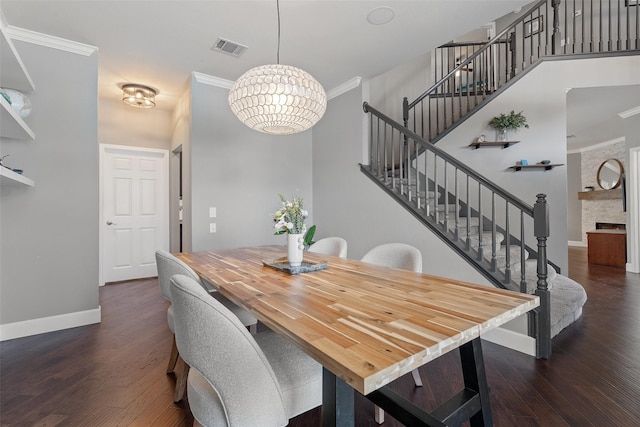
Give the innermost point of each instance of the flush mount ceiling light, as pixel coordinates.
(278, 99)
(139, 96)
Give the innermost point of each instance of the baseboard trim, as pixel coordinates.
(49, 324)
(513, 340)
(577, 243)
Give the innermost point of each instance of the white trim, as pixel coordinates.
(43, 325)
(365, 124)
(212, 81)
(579, 243)
(633, 211)
(598, 145)
(344, 87)
(130, 149)
(630, 112)
(513, 340)
(50, 41)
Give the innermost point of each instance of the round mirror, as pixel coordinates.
(609, 174)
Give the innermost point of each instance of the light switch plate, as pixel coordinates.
(212, 227)
(212, 212)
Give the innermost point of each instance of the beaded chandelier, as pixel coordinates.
(278, 99)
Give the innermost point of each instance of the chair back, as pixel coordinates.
(396, 255)
(168, 266)
(335, 246)
(216, 344)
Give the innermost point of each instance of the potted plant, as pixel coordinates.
(506, 122)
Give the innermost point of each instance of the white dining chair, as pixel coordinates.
(168, 265)
(396, 255)
(239, 379)
(335, 246)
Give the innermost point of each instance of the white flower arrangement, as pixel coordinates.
(290, 217)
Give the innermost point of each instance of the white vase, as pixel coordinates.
(295, 249)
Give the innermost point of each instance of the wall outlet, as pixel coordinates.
(212, 212)
(212, 227)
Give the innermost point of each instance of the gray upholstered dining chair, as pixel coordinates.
(168, 265)
(396, 255)
(239, 379)
(335, 246)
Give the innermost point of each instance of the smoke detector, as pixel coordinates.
(228, 47)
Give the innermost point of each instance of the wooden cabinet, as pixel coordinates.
(607, 247)
(14, 75)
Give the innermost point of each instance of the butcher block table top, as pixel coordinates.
(365, 323)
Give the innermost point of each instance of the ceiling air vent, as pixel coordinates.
(229, 47)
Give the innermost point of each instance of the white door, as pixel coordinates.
(135, 211)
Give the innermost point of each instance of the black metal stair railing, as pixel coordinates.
(455, 202)
(467, 75)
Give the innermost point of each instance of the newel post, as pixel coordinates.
(557, 35)
(543, 317)
(405, 111)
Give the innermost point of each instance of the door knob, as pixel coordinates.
(111, 223)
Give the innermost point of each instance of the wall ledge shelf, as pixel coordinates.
(9, 177)
(518, 168)
(503, 144)
(616, 193)
(12, 124)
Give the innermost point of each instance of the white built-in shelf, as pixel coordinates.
(14, 75)
(9, 177)
(12, 124)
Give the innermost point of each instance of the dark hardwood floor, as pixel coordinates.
(112, 374)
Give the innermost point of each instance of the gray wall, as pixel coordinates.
(240, 172)
(574, 206)
(50, 232)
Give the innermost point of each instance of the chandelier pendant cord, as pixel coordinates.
(278, 51)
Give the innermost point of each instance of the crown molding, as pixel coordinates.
(212, 81)
(630, 112)
(50, 41)
(596, 146)
(344, 87)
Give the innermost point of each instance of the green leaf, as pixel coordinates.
(308, 236)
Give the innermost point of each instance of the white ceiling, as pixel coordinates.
(160, 42)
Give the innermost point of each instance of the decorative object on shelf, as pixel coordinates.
(545, 162)
(2, 159)
(589, 188)
(289, 219)
(523, 162)
(481, 139)
(18, 171)
(278, 99)
(505, 122)
(19, 102)
(139, 96)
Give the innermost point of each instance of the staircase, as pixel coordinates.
(501, 236)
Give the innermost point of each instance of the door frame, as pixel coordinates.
(165, 186)
(633, 211)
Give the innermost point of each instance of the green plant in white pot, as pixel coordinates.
(505, 122)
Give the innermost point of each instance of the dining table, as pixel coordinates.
(368, 325)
